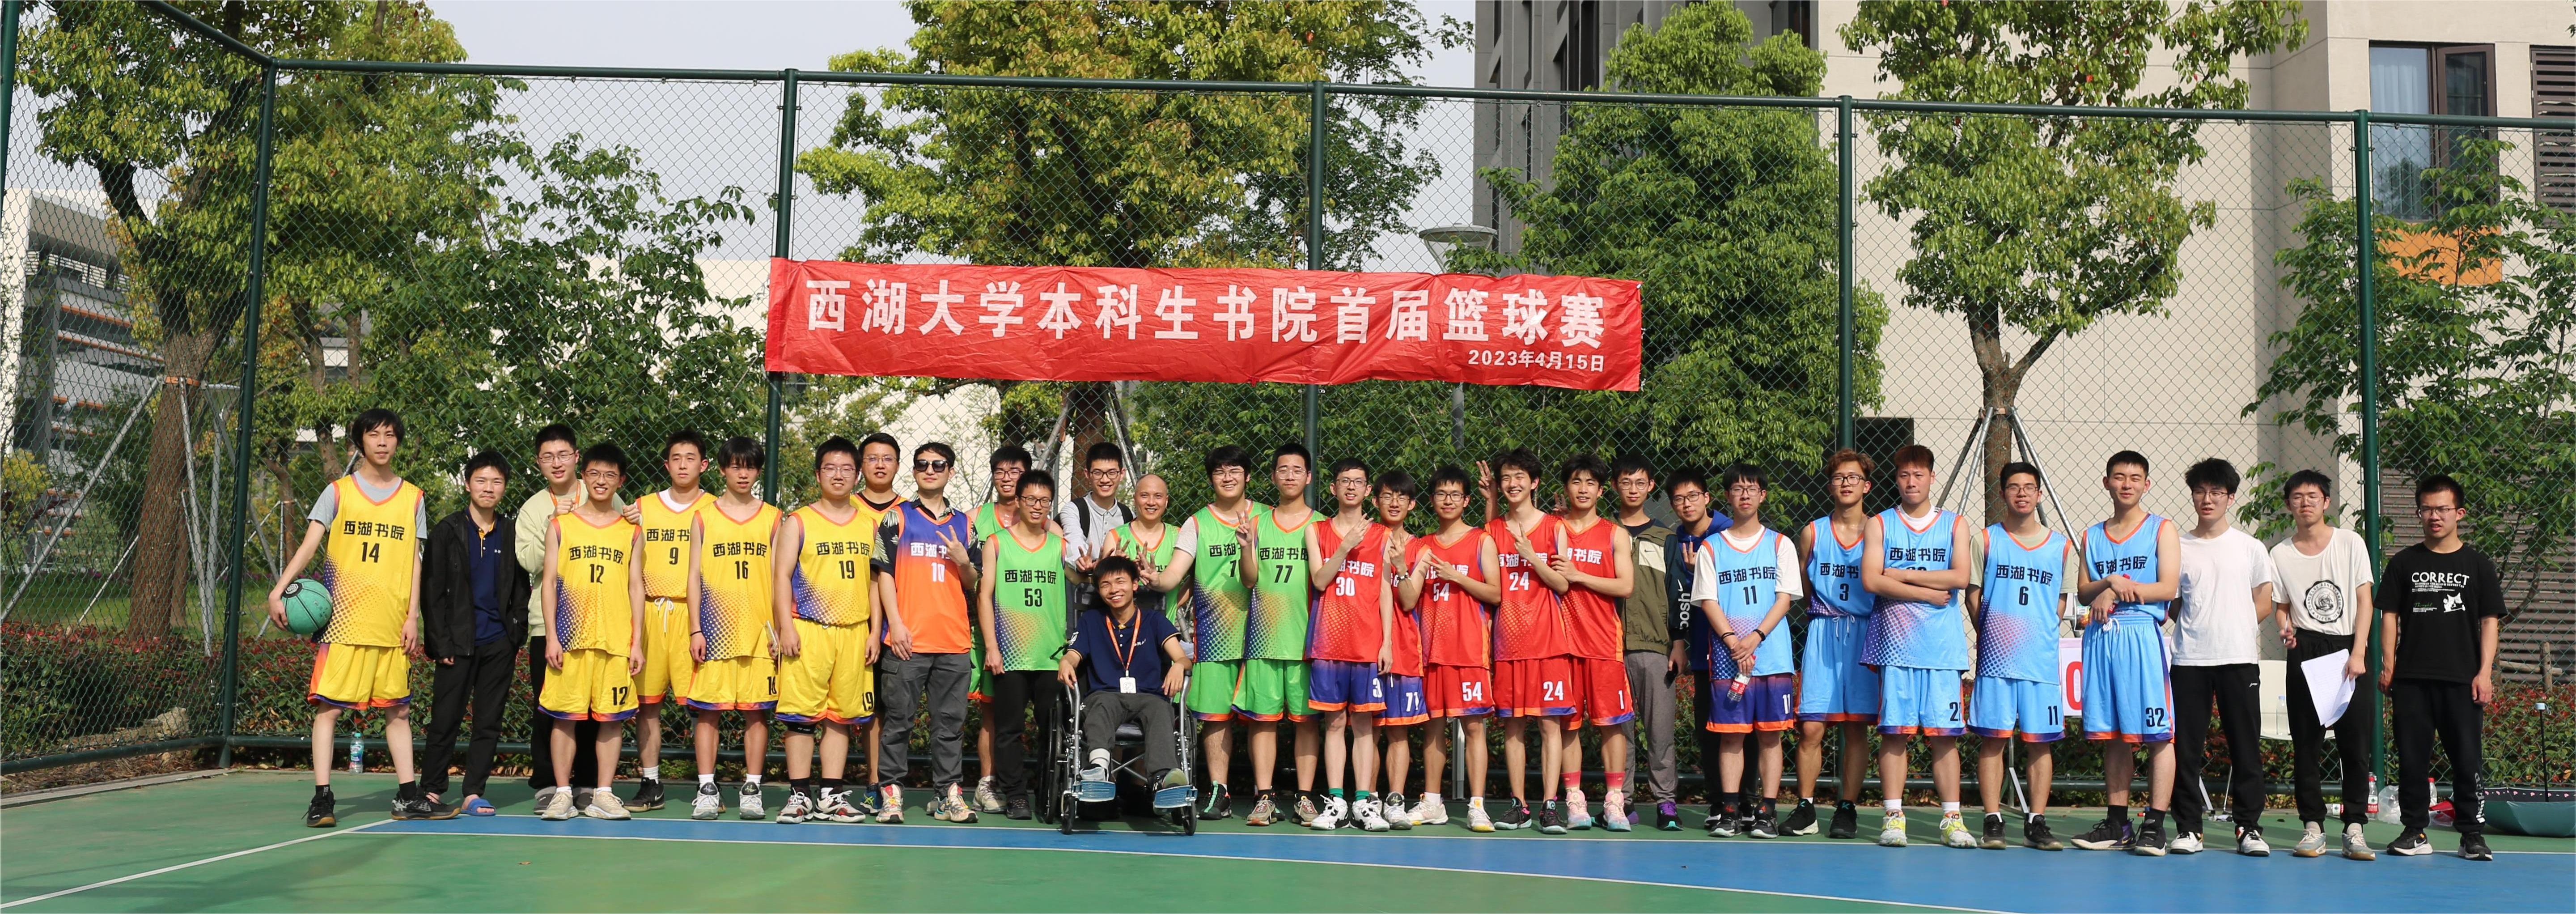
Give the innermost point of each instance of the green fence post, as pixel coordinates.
(786, 233)
(1316, 110)
(8, 79)
(253, 291)
(1848, 407)
(2365, 259)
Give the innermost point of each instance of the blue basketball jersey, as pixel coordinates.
(1913, 634)
(1748, 582)
(2017, 626)
(1833, 568)
(2135, 557)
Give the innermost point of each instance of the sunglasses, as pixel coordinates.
(930, 466)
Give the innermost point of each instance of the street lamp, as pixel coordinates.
(1441, 240)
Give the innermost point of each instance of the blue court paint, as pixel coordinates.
(2013, 880)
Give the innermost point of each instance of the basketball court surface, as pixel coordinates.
(237, 843)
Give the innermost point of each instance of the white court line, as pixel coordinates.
(1094, 850)
(192, 863)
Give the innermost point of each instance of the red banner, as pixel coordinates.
(1122, 324)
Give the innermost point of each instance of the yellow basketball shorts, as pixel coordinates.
(734, 684)
(593, 685)
(360, 676)
(667, 667)
(829, 678)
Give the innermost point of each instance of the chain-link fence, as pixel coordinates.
(489, 250)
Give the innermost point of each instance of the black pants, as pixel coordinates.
(2423, 709)
(480, 679)
(1709, 782)
(1014, 694)
(541, 728)
(2352, 735)
(2237, 689)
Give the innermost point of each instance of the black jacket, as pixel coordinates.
(447, 587)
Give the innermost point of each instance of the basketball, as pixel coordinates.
(308, 606)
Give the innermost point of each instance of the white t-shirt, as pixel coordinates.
(2215, 620)
(2321, 588)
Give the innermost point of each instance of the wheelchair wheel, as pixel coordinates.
(1188, 818)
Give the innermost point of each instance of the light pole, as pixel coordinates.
(1442, 240)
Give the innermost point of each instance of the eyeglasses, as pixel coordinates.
(879, 460)
(1227, 472)
(1848, 479)
(2020, 488)
(1448, 496)
(2438, 510)
(1693, 495)
(930, 466)
(559, 458)
(1104, 472)
(1037, 499)
(603, 475)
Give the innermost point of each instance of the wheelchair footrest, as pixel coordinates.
(1095, 791)
(1176, 797)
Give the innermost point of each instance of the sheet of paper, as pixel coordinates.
(2326, 684)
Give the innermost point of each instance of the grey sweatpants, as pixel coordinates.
(1102, 712)
(1650, 735)
(900, 686)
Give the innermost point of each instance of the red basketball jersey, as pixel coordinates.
(1345, 624)
(1529, 624)
(1457, 630)
(1407, 652)
(1595, 618)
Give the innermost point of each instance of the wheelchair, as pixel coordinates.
(1064, 793)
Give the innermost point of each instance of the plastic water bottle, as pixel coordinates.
(2374, 793)
(1736, 688)
(357, 754)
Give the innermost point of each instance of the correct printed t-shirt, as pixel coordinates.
(2440, 600)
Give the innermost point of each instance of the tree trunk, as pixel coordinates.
(1086, 422)
(161, 548)
(2001, 383)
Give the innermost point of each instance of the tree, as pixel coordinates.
(2476, 378)
(1124, 178)
(1726, 217)
(2046, 224)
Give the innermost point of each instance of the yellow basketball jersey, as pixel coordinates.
(666, 545)
(832, 573)
(592, 610)
(367, 564)
(735, 581)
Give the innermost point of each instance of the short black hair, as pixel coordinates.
(555, 432)
(1011, 453)
(1747, 472)
(1228, 456)
(1292, 449)
(374, 419)
(742, 451)
(875, 438)
(2212, 472)
(835, 445)
(1631, 463)
(687, 436)
(2441, 482)
(1518, 458)
(605, 452)
(1348, 464)
(488, 459)
(2017, 468)
(1038, 478)
(2125, 458)
(1115, 564)
(1102, 450)
(2324, 484)
(1448, 473)
(940, 448)
(1401, 483)
(1587, 464)
(1686, 477)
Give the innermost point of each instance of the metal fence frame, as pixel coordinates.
(1319, 95)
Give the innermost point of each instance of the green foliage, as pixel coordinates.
(1726, 218)
(2476, 379)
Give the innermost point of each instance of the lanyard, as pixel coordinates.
(1136, 634)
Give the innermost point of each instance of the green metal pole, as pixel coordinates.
(253, 291)
(786, 232)
(1848, 408)
(1317, 108)
(2365, 259)
(8, 79)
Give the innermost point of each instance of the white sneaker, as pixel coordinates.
(1578, 814)
(1892, 834)
(797, 809)
(986, 798)
(556, 806)
(1478, 820)
(1614, 810)
(605, 805)
(747, 802)
(2356, 847)
(1330, 817)
(2185, 843)
(2251, 844)
(836, 807)
(1954, 832)
(709, 803)
(1429, 810)
(1397, 816)
(2312, 841)
(890, 808)
(1369, 815)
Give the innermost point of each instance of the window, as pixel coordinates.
(2553, 97)
(2422, 79)
(1797, 17)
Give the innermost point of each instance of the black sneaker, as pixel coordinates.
(2151, 839)
(1760, 825)
(2410, 843)
(1802, 820)
(1551, 819)
(1220, 804)
(1667, 817)
(2036, 835)
(1994, 832)
(323, 813)
(1722, 824)
(421, 808)
(2108, 835)
(1846, 821)
(1018, 807)
(1514, 818)
(648, 796)
(2473, 846)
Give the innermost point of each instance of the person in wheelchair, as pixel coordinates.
(1128, 667)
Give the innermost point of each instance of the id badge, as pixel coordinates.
(1126, 685)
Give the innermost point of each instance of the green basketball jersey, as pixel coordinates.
(1280, 602)
(985, 524)
(1029, 602)
(1219, 604)
(1167, 542)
